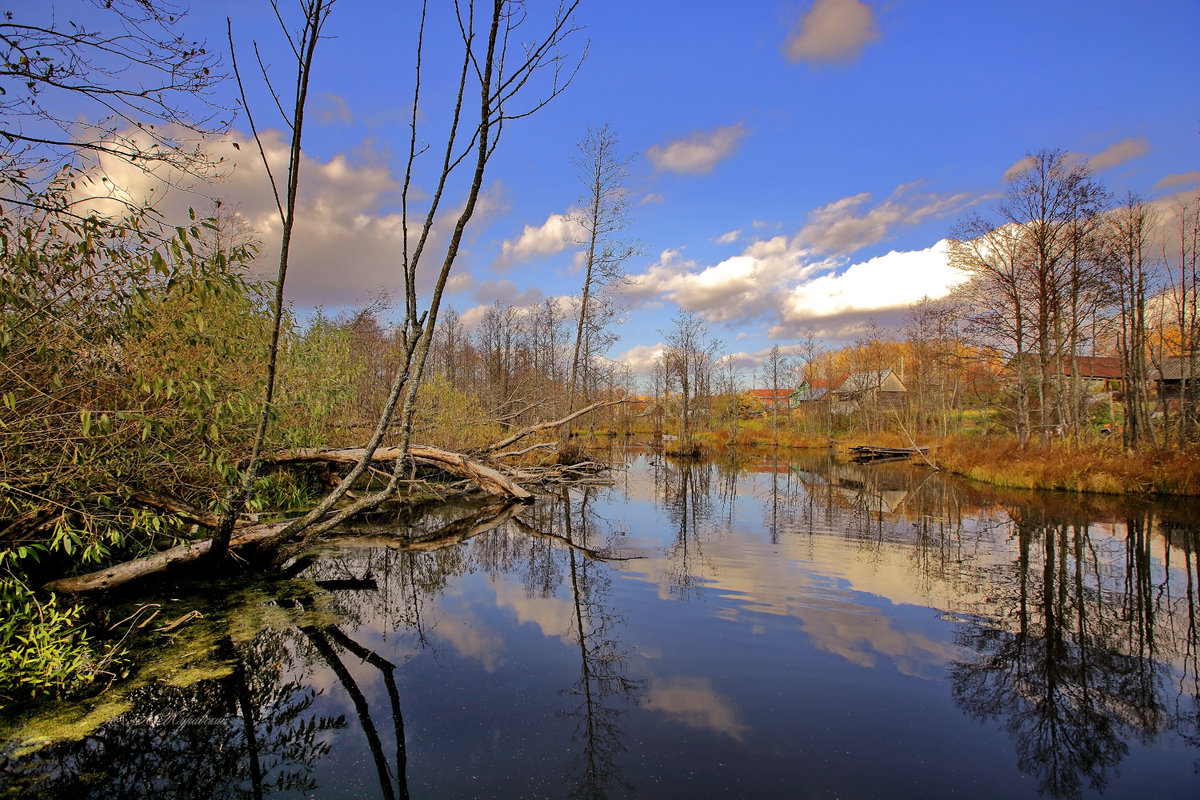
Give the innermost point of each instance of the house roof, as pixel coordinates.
(1173, 368)
(770, 394)
(1106, 367)
(808, 393)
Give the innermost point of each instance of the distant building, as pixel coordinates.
(875, 389)
(809, 392)
(1176, 375)
(771, 399)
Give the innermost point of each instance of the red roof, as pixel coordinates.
(771, 394)
(1106, 367)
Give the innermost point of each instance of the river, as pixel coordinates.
(758, 625)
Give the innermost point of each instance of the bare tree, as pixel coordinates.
(688, 361)
(136, 87)
(1184, 291)
(1129, 236)
(774, 373)
(304, 43)
(499, 73)
(603, 171)
(1031, 283)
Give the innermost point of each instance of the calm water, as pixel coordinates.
(779, 627)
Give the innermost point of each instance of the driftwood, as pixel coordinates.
(472, 469)
(486, 478)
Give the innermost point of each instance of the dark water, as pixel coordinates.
(778, 627)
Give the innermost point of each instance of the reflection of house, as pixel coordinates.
(875, 389)
(1178, 373)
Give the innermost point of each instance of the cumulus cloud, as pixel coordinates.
(786, 287)
(1179, 179)
(698, 153)
(850, 223)
(890, 282)
(833, 31)
(557, 233)
(347, 237)
(641, 357)
(1120, 152)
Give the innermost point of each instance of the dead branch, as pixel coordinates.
(541, 426)
(530, 449)
(597, 555)
(486, 478)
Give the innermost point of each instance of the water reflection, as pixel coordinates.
(741, 623)
(1072, 650)
(251, 733)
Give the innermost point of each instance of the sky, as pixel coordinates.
(796, 166)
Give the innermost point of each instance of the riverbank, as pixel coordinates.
(1098, 467)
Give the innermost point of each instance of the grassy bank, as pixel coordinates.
(1098, 467)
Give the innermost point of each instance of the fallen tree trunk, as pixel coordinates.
(127, 571)
(486, 478)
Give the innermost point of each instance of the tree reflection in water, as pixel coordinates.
(252, 733)
(1069, 650)
(1080, 640)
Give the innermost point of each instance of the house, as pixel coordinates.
(771, 399)
(876, 388)
(809, 392)
(1177, 374)
(1097, 372)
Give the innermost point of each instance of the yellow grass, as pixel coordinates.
(1100, 467)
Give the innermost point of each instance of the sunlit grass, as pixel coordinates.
(1100, 467)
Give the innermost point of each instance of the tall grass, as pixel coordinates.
(1099, 467)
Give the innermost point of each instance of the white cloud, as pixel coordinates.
(1022, 164)
(1120, 152)
(699, 153)
(652, 197)
(781, 283)
(559, 232)
(641, 357)
(832, 31)
(347, 240)
(694, 702)
(892, 281)
(730, 237)
(848, 224)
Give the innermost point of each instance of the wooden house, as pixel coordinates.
(1177, 374)
(875, 389)
(771, 399)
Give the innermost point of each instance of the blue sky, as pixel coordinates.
(797, 163)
